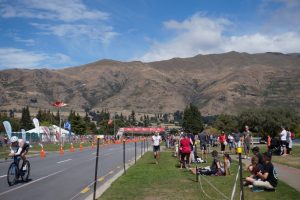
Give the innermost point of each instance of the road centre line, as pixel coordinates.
(39, 179)
(3, 176)
(64, 161)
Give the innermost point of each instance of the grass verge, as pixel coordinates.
(147, 180)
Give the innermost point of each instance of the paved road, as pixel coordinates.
(69, 176)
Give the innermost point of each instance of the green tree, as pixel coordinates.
(227, 123)
(26, 122)
(192, 119)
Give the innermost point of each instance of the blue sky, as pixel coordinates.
(62, 33)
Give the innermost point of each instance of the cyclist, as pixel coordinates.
(18, 147)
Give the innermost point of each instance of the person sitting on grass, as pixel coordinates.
(253, 168)
(266, 178)
(215, 168)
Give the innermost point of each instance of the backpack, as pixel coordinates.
(292, 136)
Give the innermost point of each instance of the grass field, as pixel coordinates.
(147, 180)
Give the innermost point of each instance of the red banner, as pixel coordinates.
(143, 130)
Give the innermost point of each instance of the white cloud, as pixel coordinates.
(27, 42)
(20, 58)
(202, 35)
(67, 10)
(102, 33)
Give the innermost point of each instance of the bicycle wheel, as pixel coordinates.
(12, 174)
(25, 170)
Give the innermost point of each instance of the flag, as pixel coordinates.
(67, 125)
(8, 129)
(59, 104)
(36, 124)
(23, 135)
(110, 122)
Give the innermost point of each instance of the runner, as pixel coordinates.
(156, 139)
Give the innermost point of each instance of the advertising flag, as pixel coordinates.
(8, 129)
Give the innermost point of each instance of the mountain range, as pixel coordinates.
(216, 83)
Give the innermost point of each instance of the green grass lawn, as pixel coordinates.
(147, 180)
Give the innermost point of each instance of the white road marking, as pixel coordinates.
(3, 176)
(107, 154)
(64, 161)
(39, 179)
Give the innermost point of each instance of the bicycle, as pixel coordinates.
(14, 173)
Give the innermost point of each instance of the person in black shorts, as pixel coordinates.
(156, 139)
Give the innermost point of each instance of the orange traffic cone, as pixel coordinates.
(72, 148)
(42, 154)
(80, 147)
(61, 151)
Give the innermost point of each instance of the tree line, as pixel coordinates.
(262, 121)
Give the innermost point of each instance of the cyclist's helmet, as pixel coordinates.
(13, 139)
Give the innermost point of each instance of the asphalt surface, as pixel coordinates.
(68, 176)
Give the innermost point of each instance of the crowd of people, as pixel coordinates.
(263, 173)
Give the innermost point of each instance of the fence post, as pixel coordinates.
(239, 151)
(135, 151)
(141, 148)
(96, 168)
(124, 156)
(147, 145)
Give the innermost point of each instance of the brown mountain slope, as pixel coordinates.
(216, 83)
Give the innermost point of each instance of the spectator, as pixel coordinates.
(185, 148)
(192, 138)
(253, 168)
(269, 142)
(203, 137)
(230, 142)
(267, 178)
(247, 139)
(237, 139)
(215, 168)
(290, 142)
(222, 140)
(283, 136)
(227, 162)
(256, 152)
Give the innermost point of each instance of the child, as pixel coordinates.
(227, 161)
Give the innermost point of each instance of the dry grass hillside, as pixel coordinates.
(215, 83)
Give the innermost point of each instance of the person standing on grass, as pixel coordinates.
(192, 138)
(185, 148)
(269, 141)
(247, 139)
(156, 139)
(283, 136)
(222, 140)
(203, 137)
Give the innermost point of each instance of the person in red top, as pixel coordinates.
(185, 149)
(222, 140)
(269, 141)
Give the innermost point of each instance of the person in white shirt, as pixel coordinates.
(283, 136)
(156, 139)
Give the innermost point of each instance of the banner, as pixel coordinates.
(8, 129)
(23, 135)
(36, 125)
